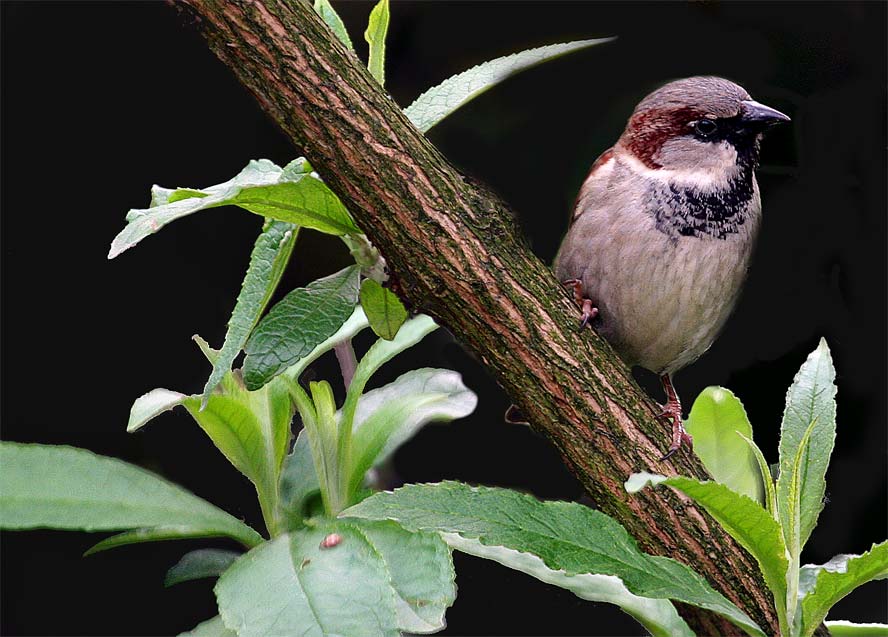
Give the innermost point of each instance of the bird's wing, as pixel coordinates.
(594, 173)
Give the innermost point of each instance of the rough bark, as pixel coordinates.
(458, 256)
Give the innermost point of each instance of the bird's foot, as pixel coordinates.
(672, 413)
(589, 313)
(588, 308)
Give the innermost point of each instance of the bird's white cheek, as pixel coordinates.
(688, 162)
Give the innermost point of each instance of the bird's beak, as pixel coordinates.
(755, 113)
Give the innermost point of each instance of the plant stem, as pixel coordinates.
(365, 255)
(345, 354)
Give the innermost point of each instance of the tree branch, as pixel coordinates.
(457, 256)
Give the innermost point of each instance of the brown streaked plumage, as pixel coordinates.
(665, 223)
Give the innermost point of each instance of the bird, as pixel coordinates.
(664, 225)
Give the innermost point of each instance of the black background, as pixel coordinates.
(102, 100)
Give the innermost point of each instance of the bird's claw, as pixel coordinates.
(672, 412)
(683, 437)
(586, 305)
(589, 313)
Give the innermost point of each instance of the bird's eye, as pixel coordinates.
(705, 127)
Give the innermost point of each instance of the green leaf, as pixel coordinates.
(440, 101)
(151, 534)
(765, 475)
(387, 417)
(299, 482)
(210, 628)
(323, 434)
(379, 353)
(743, 518)
(44, 486)
(792, 508)
(382, 351)
(377, 27)
(567, 537)
(658, 616)
(306, 202)
(160, 196)
(263, 188)
(209, 353)
(301, 321)
(383, 308)
(267, 263)
(810, 399)
(421, 571)
(252, 430)
(355, 323)
(149, 406)
(384, 419)
(293, 586)
(835, 579)
(809, 573)
(328, 15)
(719, 425)
(141, 223)
(842, 628)
(296, 169)
(200, 564)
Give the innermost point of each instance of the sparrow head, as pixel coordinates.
(702, 126)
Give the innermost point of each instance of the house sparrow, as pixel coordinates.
(664, 225)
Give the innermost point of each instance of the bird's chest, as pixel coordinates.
(688, 277)
(675, 281)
